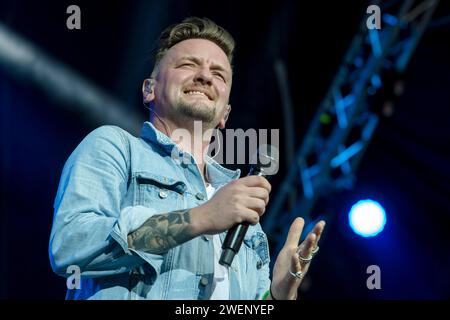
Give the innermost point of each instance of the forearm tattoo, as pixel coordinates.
(162, 232)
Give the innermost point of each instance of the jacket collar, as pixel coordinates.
(216, 173)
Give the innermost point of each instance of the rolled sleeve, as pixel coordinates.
(131, 219)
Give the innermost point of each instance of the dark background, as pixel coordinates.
(406, 167)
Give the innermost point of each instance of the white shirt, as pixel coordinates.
(221, 282)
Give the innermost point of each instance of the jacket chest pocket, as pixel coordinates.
(257, 252)
(255, 257)
(160, 193)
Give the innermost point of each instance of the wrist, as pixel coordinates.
(284, 291)
(197, 217)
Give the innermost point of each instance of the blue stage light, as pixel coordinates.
(367, 218)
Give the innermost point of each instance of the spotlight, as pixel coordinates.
(367, 218)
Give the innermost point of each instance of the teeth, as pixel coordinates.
(195, 92)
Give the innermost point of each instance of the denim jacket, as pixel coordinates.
(110, 185)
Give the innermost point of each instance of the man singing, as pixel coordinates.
(140, 224)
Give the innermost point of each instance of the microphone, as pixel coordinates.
(236, 234)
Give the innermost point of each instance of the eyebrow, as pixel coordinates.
(198, 61)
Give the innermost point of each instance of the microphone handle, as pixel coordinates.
(232, 243)
(236, 234)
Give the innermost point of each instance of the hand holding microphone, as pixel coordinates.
(237, 205)
(236, 234)
(243, 200)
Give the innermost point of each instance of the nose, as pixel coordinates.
(204, 77)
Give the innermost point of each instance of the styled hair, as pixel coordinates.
(195, 28)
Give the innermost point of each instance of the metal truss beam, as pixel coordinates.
(346, 119)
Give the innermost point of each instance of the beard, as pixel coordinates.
(197, 111)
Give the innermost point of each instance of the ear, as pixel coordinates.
(225, 117)
(148, 92)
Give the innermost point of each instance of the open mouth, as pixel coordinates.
(197, 93)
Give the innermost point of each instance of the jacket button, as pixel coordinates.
(204, 281)
(162, 194)
(200, 196)
(259, 264)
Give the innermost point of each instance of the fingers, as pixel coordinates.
(305, 251)
(302, 255)
(308, 245)
(312, 240)
(256, 181)
(318, 229)
(255, 204)
(250, 216)
(295, 231)
(258, 192)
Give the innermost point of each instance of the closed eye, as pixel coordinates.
(220, 75)
(187, 64)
